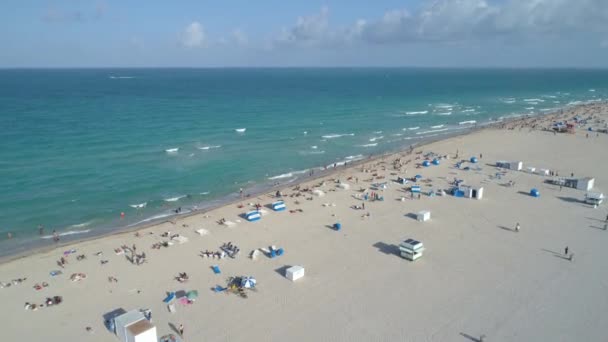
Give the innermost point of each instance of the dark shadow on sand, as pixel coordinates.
(387, 249)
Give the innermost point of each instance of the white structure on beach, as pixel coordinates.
(511, 165)
(424, 215)
(411, 249)
(294, 273)
(133, 326)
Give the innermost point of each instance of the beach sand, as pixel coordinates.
(477, 276)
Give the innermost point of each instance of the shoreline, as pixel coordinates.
(230, 199)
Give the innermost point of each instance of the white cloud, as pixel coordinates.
(452, 21)
(239, 37)
(193, 35)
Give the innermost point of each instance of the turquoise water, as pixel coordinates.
(78, 147)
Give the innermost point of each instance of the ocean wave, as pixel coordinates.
(172, 150)
(422, 112)
(443, 105)
(152, 218)
(378, 132)
(557, 102)
(240, 130)
(369, 145)
(209, 147)
(432, 131)
(314, 147)
(121, 77)
(138, 206)
(592, 90)
(285, 175)
(69, 232)
(334, 136)
(204, 193)
(529, 108)
(549, 96)
(534, 100)
(174, 199)
(411, 128)
(468, 110)
(376, 138)
(445, 113)
(80, 225)
(438, 126)
(470, 122)
(397, 134)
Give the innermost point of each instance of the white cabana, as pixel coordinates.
(424, 215)
(411, 249)
(511, 165)
(294, 273)
(594, 198)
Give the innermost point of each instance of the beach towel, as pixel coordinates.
(169, 297)
(219, 289)
(202, 232)
(216, 269)
(184, 301)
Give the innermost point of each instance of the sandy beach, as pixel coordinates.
(478, 275)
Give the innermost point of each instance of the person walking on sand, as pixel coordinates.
(566, 251)
(517, 227)
(181, 330)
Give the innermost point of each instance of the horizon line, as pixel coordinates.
(309, 67)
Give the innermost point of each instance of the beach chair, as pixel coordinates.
(216, 269)
(219, 289)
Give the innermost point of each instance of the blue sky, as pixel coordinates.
(212, 33)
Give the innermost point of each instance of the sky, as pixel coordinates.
(313, 33)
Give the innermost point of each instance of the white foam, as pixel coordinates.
(470, 122)
(397, 134)
(445, 113)
(334, 136)
(69, 232)
(80, 225)
(438, 126)
(534, 100)
(358, 156)
(432, 131)
(549, 96)
(204, 193)
(314, 147)
(121, 77)
(305, 132)
(376, 138)
(172, 150)
(174, 199)
(529, 108)
(468, 110)
(378, 132)
(138, 206)
(240, 130)
(156, 217)
(285, 175)
(209, 147)
(444, 106)
(417, 113)
(508, 100)
(411, 128)
(556, 101)
(592, 90)
(369, 145)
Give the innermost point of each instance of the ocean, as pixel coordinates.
(78, 147)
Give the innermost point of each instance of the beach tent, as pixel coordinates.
(415, 189)
(318, 193)
(134, 327)
(278, 206)
(457, 192)
(426, 163)
(253, 216)
(435, 161)
(534, 193)
(424, 215)
(418, 176)
(294, 273)
(473, 160)
(337, 226)
(248, 282)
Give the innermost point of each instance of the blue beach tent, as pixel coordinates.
(435, 161)
(426, 163)
(473, 160)
(534, 193)
(253, 216)
(278, 206)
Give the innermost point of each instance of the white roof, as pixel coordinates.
(129, 318)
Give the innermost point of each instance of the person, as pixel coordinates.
(181, 330)
(55, 236)
(517, 227)
(560, 187)
(241, 192)
(480, 156)
(9, 235)
(566, 250)
(363, 205)
(40, 229)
